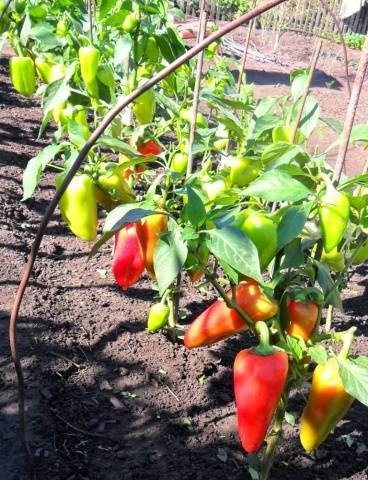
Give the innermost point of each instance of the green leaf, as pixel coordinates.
(359, 133)
(224, 103)
(36, 166)
(195, 208)
(231, 122)
(233, 247)
(298, 80)
(318, 354)
(165, 47)
(230, 272)
(44, 34)
(290, 419)
(277, 186)
(310, 116)
(360, 180)
(76, 135)
(293, 255)
(362, 361)
(169, 257)
(167, 102)
(330, 291)
(105, 7)
(265, 106)
(117, 146)
(295, 347)
(333, 123)
(354, 376)
(259, 125)
(292, 223)
(56, 93)
(123, 214)
(101, 241)
(122, 50)
(279, 153)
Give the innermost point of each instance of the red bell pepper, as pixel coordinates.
(259, 380)
(128, 264)
(220, 321)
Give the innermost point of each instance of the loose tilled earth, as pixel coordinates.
(153, 410)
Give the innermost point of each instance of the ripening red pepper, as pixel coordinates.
(219, 321)
(259, 379)
(299, 312)
(149, 148)
(327, 404)
(148, 231)
(302, 318)
(128, 264)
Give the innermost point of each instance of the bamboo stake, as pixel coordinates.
(244, 59)
(197, 87)
(342, 40)
(350, 114)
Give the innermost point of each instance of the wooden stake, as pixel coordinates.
(244, 58)
(350, 114)
(197, 87)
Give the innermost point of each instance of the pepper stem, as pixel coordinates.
(274, 436)
(264, 347)
(264, 334)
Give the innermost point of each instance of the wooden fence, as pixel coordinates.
(304, 16)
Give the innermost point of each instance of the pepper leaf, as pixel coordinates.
(331, 293)
(195, 208)
(232, 246)
(35, 167)
(169, 257)
(354, 376)
(318, 353)
(277, 186)
(123, 214)
(291, 225)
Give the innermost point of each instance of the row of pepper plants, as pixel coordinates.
(258, 220)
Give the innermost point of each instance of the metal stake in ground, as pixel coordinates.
(68, 178)
(350, 114)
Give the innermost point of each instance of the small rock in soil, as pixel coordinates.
(116, 403)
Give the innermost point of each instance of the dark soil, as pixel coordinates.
(153, 410)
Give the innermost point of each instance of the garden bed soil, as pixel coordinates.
(105, 399)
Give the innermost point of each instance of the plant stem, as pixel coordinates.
(329, 318)
(274, 437)
(264, 334)
(229, 301)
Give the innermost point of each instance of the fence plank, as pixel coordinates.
(304, 16)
